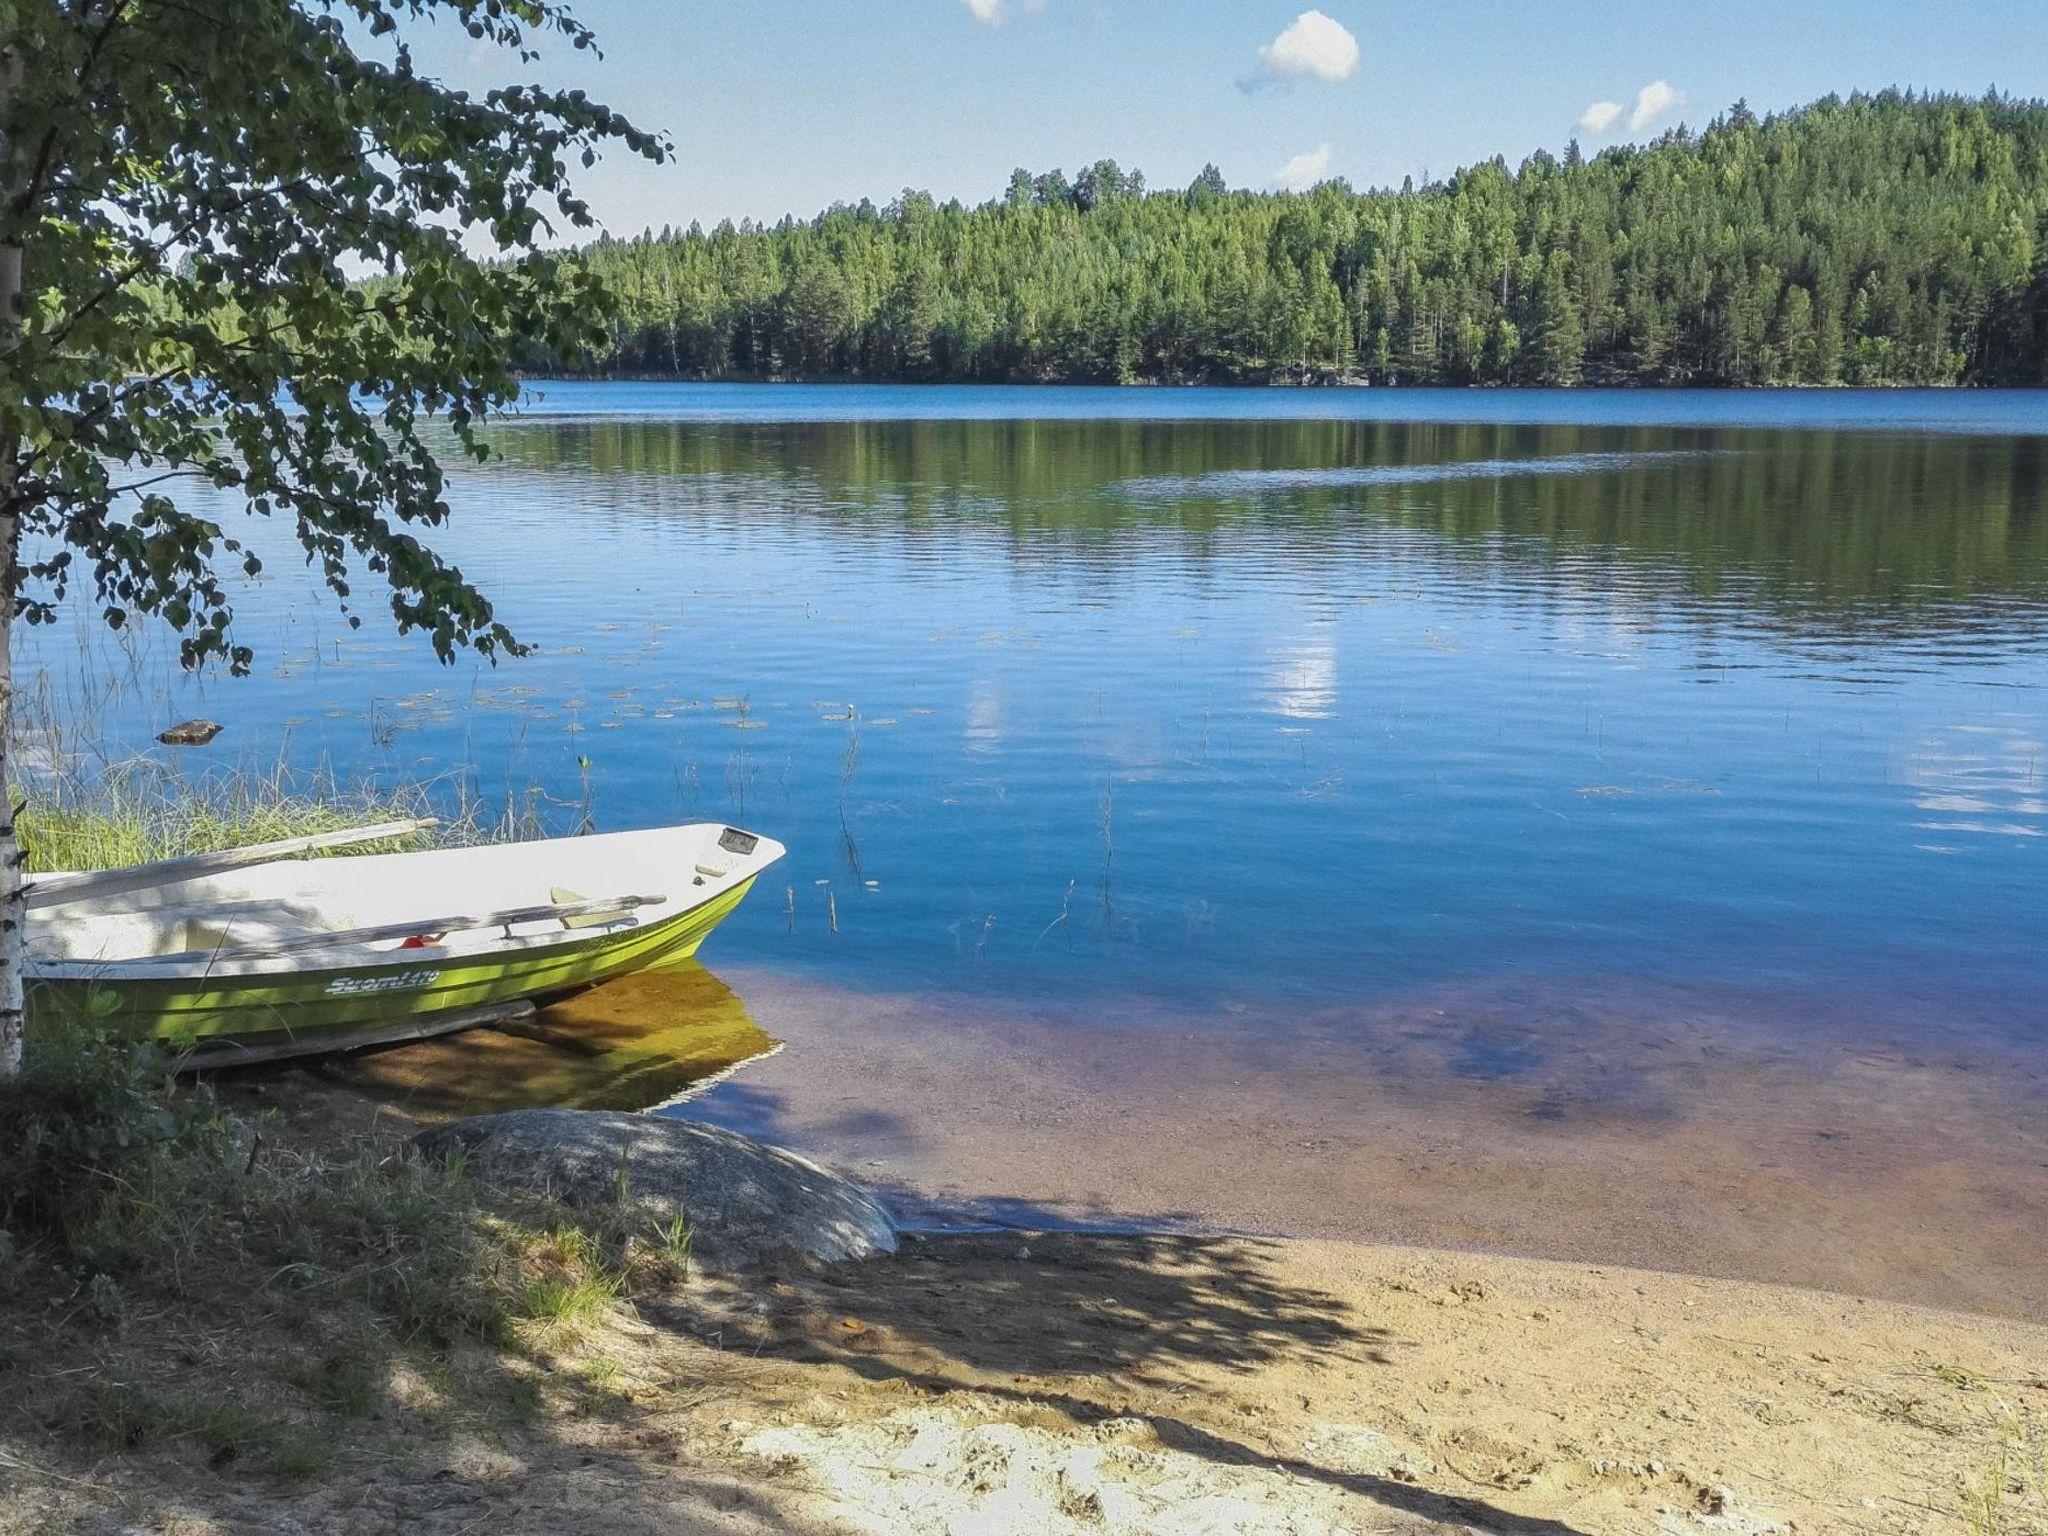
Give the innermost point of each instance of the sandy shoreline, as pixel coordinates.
(1086, 1385)
(1297, 1386)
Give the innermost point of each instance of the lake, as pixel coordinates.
(1599, 824)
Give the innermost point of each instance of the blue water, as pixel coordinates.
(1205, 697)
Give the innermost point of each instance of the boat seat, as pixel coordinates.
(562, 896)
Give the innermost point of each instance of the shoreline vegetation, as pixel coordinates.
(1886, 239)
(140, 812)
(251, 1304)
(1315, 380)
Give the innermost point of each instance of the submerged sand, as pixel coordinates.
(1747, 1136)
(1732, 1135)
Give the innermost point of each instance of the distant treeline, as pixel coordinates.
(1886, 239)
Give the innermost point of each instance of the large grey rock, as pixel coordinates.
(744, 1200)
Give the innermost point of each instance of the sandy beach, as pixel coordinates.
(1094, 1384)
(1106, 1384)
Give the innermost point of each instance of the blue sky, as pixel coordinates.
(781, 106)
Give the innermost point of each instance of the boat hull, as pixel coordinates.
(324, 1007)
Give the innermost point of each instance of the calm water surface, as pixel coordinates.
(1173, 714)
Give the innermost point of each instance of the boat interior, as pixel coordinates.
(453, 899)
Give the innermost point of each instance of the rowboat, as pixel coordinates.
(261, 952)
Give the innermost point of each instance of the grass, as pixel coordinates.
(182, 1294)
(344, 1382)
(2010, 1496)
(114, 1414)
(602, 1386)
(139, 814)
(672, 1243)
(569, 1279)
(141, 811)
(87, 1124)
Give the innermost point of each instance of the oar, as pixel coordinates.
(608, 906)
(91, 885)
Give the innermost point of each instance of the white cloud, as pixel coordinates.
(1600, 117)
(1314, 46)
(1655, 103)
(1304, 170)
(988, 12)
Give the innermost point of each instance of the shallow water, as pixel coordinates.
(633, 1043)
(1176, 724)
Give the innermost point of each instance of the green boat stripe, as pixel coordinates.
(305, 1002)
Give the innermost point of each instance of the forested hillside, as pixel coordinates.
(1888, 239)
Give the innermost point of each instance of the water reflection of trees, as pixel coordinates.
(1850, 529)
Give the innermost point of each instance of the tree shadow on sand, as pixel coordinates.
(1044, 1321)
(1026, 1302)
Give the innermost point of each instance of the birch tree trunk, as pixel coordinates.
(13, 911)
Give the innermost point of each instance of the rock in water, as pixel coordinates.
(744, 1200)
(190, 733)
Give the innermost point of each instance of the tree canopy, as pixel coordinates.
(1881, 239)
(190, 191)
